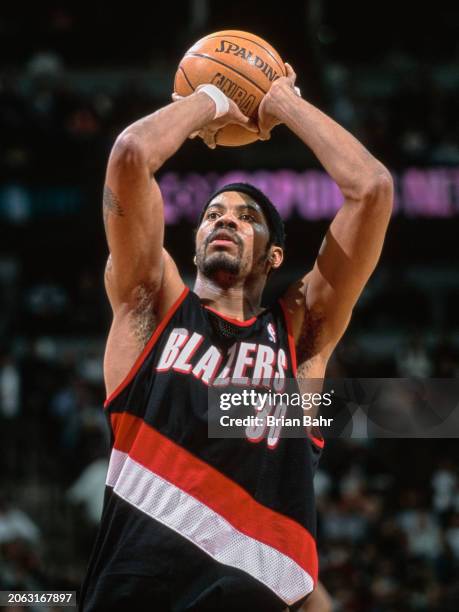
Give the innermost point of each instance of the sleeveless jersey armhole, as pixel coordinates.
(148, 347)
(291, 339)
(317, 439)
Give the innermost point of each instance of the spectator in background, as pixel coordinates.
(445, 485)
(10, 386)
(413, 359)
(424, 536)
(88, 490)
(15, 524)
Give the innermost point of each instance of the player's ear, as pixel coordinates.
(276, 256)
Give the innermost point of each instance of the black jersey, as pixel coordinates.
(190, 522)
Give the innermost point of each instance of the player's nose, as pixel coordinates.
(227, 219)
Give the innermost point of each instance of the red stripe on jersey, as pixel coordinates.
(197, 478)
(230, 320)
(319, 442)
(291, 339)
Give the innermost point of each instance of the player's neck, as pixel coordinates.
(240, 301)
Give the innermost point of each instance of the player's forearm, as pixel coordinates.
(346, 160)
(160, 134)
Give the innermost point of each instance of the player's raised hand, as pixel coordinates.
(267, 118)
(234, 116)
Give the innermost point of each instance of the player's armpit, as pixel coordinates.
(321, 303)
(306, 326)
(157, 300)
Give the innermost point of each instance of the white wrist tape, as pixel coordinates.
(221, 101)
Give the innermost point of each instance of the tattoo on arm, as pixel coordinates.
(111, 204)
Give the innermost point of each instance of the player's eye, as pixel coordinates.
(212, 215)
(247, 217)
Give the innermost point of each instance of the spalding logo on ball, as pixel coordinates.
(241, 64)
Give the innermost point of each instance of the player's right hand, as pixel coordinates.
(209, 132)
(267, 118)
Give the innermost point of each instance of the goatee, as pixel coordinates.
(218, 263)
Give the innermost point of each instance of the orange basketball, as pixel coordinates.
(241, 64)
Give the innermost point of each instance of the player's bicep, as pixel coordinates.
(133, 219)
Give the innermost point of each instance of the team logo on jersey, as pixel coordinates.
(246, 363)
(272, 332)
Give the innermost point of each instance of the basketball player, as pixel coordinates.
(189, 522)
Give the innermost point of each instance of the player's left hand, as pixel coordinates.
(210, 131)
(267, 119)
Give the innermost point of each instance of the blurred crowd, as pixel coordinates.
(53, 128)
(54, 131)
(389, 519)
(70, 87)
(54, 441)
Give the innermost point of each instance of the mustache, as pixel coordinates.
(234, 236)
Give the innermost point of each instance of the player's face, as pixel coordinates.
(233, 237)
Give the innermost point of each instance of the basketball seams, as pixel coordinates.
(238, 76)
(270, 53)
(229, 67)
(186, 77)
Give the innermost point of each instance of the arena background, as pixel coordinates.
(71, 79)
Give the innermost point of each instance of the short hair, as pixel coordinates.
(273, 218)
